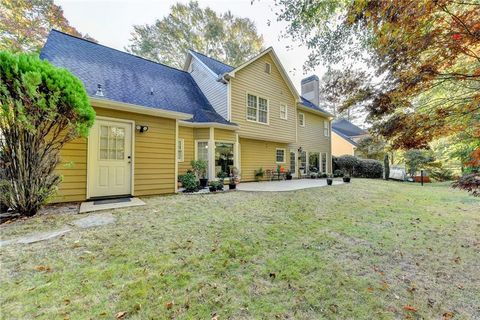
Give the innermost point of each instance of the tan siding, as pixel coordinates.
(341, 146)
(311, 137)
(256, 154)
(187, 135)
(201, 133)
(254, 80)
(154, 159)
(224, 135)
(73, 169)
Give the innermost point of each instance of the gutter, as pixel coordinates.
(127, 107)
(208, 125)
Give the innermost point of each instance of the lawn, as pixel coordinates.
(367, 250)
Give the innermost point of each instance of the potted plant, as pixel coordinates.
(200, 169)
(259, 174)
(329, 180)
(234, 180)
(313, 175)
(346, 178)
(288, 175)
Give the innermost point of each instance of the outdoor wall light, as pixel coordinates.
(141, 129)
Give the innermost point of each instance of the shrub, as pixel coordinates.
(441, 174)
(338, 173)
(200, 168)
(189, 182)
(259, 174)
(346, 163)
(469, 182)
(41, 109)
(368, 168)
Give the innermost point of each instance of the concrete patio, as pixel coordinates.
(287, 185)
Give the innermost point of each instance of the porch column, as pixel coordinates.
(236, 154)
(211, 155)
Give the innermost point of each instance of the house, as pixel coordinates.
(345, 137)
(152, 120)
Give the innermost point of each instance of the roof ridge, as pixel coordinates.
(211, 58)
(120, 51)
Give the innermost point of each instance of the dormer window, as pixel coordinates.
(268, 68)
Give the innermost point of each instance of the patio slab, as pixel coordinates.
(288, 185)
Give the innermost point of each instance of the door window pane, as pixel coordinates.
(293, 161)
(223, 157)
(112, 143)
(303, 161)
(202, 152)
(313, 162)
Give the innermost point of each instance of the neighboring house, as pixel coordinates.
(345, 137)
(152, 120)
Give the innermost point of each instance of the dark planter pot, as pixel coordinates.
(329, 181)
(232, 186)
(288, 177)
(212, 189)
(346, 179)
(313, 177)
(203, 183)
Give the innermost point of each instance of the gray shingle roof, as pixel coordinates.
(216, 66)
(347, 128)
(127, 78)
(311, 105)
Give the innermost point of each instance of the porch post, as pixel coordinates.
(211, 155)
(236, 154)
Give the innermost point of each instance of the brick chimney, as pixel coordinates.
(311, 89)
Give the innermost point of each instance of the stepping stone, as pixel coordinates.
(95, 220)
(36, 237)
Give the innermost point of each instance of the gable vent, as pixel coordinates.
(268, 68)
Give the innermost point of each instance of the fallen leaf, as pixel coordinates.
(169, 305)
(272, 275)
(370, 289)
(121, 314)
(215, 316)
(410, 308)
(43, 268)
(447, 315)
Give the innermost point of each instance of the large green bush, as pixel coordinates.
(189, 182)
(368, 168)
(42, 107)
(356, 167)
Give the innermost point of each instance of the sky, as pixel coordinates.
(110, 22)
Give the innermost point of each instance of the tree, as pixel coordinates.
(338, 87)
(225, 37)
(427, 54)
(417, 159)
(386, 166)
(41, 108)
(371, 148)
(25, 24)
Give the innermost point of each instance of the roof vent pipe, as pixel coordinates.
(151, 91)
(99, 92)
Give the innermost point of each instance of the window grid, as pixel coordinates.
(280, 155)
(301, 119)
(112, 143)
(283, 112)
(180, 150)
(257, 109)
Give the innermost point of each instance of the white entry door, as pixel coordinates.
(110, 158)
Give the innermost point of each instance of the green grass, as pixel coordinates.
(364, 250)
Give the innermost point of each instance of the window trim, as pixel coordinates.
(181, 144)
(284, 155)
(303, 118)
(326, 128)
(257, 109)
(286, 111)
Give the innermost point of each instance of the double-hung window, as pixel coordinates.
(301, 119)
(283, 112)
(257, 109)
(180, 150)
(326, 129)
(280, 155)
